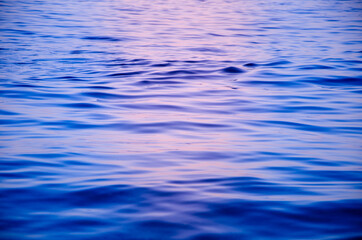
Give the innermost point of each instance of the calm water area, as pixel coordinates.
(187, 120)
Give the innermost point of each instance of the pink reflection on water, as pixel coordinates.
(183, 30)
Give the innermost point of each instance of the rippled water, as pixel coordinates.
(166, 119)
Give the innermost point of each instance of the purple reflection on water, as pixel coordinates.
(217, 119)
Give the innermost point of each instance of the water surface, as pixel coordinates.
(165, 119)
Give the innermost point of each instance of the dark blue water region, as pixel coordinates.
(187, 120)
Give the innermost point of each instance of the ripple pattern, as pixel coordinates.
(188, 120)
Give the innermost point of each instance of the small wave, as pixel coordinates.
(274, 83)
(152, 82)
(102, 38)
(232, 70)
(125, 74)
(341, 81)
(81, 105)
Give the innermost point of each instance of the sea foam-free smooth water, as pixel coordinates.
(165, 119)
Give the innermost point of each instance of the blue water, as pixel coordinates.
(168, 119)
